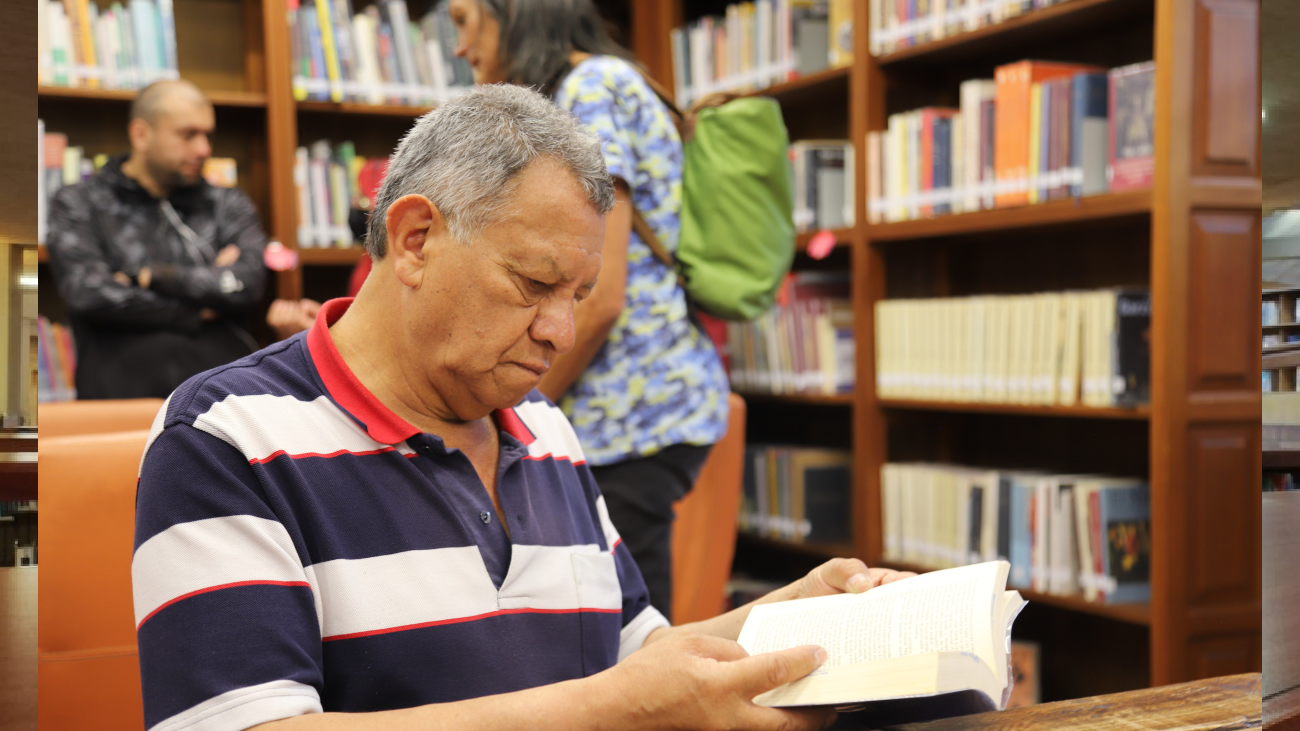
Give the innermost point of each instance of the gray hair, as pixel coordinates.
(465, 155)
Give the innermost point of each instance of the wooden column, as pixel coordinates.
(651, 22)
(282, 137)
(1205, 424)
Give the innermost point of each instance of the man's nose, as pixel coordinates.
(554, 323)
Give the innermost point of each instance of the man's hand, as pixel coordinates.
(288, 317)
(840, 575)
(692, 681)
(227, 256)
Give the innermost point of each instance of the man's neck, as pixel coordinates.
(134, 168)
(368, 340)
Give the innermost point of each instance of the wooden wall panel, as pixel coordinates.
(1223, 258)
(1221, 656)
(1221, 536)
(1226, 119)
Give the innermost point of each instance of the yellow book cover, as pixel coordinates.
(326, 24)
(841, 32)
(1035, 137)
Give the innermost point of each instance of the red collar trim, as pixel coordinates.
(341, 383)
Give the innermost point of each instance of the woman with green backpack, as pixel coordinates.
(643, 386)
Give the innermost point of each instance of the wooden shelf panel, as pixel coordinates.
(341, 256)
(371, 110)
(1132, 613)
(1086, 412)
(1067, 19)
(218, 98)
(830, 81)
(839, 399)
(1281, 325)
(843, 237)
(1065, 212)
(815, 550)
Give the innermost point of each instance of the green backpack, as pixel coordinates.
(737, 236)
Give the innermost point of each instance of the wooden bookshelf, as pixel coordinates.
(1195, 238)
(843, 238)
(801, 398)
(1139, 614)
(1192, 239)
(219, 98)
(1139, 413)
(1058, 21)
(1053, 214)
(373, 110)
(342, 256)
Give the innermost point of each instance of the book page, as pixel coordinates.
(944, 611)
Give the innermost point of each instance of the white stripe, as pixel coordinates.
(607, 525)
(564, 578)
(554, 434)
(449, 584)
(246, 707)
(402, 589)
(261, 425)
(202, 554)
(155, 429)
(634, 633)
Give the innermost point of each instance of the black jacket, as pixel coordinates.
(135, 342)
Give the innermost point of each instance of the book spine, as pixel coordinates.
(167, 36)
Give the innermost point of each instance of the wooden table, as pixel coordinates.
(18, 649)
(1230, 703)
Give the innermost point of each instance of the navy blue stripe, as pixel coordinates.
(457, 661)
(213, 643)
(191, 475)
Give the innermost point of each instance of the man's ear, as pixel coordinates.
(413, 222)
(138, 132)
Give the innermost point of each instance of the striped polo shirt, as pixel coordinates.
(299, 548)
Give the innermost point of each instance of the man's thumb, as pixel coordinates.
(761, 673)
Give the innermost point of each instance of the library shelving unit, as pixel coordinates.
(1192, 239)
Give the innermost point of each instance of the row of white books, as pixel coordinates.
(105, 46)
(376, 56)
(1056, 348)
(899, 25)
(1062, 534)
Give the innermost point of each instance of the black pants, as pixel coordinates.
(639, 494)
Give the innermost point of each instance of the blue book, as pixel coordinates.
(320, 91)
(941, 161)
(143, 16)
(1088, 133)
(167, 34)
(1021, 533)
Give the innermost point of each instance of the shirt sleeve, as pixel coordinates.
(592, 95)
(226, 617)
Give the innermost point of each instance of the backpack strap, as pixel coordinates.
(647, 234)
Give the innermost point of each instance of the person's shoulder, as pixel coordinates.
(280, 369)
(610, 73)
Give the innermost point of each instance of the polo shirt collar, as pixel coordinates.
(343, 387)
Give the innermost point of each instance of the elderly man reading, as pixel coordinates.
(380, 524)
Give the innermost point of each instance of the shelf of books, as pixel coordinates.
(1054, 241)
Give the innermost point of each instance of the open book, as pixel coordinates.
(901, 646)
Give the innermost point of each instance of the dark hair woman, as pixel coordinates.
(643, 387)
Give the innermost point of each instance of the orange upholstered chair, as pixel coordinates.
(88, 667)
(704, 535)
(96, 417)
